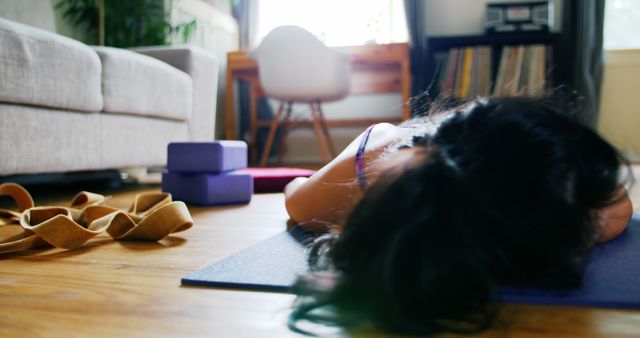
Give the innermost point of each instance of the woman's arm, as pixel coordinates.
(614, 218)
(330, 194)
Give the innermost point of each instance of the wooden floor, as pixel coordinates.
(120, 289)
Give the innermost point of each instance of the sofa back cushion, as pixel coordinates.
(137, 84)
(41, 68)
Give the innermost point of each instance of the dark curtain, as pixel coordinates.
(416, 25)
(242, 11)
(582, 54)
(245, 12)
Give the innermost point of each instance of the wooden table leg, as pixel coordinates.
(229, 104)
(406, 88)
(253, 123)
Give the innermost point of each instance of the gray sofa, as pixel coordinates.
(66, 106)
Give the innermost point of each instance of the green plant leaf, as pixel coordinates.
(128, 23)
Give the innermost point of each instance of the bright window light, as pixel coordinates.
(337, 22)
(622, 24)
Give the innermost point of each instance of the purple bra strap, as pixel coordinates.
(362, 179)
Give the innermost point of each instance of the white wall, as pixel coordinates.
(217, 32)
(36, 13)
(619, 113)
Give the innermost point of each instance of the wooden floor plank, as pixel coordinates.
(132, 289)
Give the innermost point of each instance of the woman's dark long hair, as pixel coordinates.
(506, 195)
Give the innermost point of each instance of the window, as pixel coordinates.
(337, 22)
(622, 24)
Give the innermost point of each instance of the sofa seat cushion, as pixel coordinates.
(41, 68)
(137, 84)
(41, 140)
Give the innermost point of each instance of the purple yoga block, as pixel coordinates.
(206, 157)
(232, 187)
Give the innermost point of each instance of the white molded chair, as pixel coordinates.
(293, 67)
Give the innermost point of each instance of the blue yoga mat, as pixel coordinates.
(611, 274)
(271, 265)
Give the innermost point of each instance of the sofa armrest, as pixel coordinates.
(202, 66)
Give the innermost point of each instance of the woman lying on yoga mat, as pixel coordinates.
(427, 217)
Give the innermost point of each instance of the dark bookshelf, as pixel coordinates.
(496, 42)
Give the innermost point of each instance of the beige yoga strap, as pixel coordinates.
(152, 217)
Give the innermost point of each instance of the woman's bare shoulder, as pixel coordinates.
(332, 191)
(385, 135)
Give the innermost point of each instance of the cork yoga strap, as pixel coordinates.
(152, 217)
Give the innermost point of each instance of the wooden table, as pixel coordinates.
(120, 289)
(375, 69)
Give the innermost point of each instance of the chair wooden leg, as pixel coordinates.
(325, 130)
(272, 134)
(253, 109)
(315, 117)
(285, 132)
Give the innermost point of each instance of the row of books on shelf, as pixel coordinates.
(467, 72)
